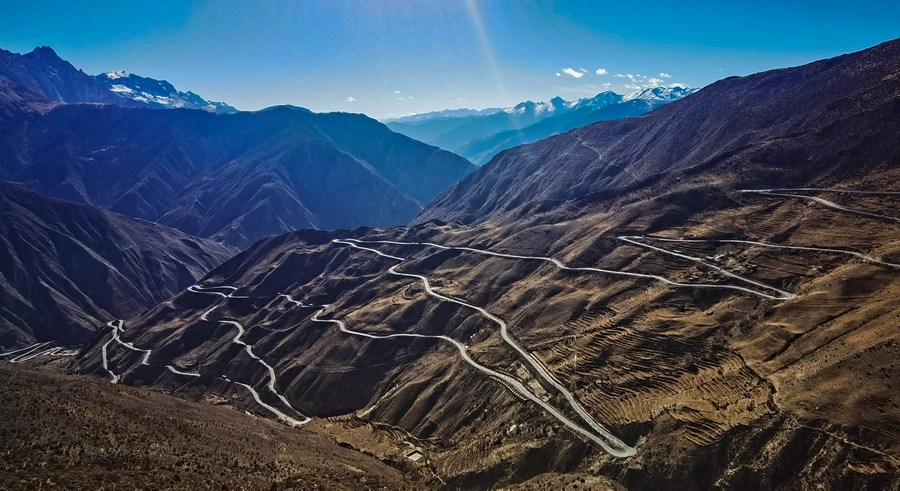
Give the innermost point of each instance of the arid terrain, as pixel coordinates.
(64, 432)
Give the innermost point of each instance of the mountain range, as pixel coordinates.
(694, 289)
(231, 177)
(480, 137)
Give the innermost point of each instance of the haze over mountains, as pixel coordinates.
(685, 288)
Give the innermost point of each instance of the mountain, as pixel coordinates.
(230, 177)
(702, 296)
(158, 94)
(604, 107)
(43, 72)
(480, 137)
(233, 178)
(67, 268)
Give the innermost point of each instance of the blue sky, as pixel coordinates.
(395, 57)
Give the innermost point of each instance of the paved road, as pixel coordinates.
(606, 440)
(249, 349)
(781, 294)
(560, 265)
(35, 350)
(864, 257)
(825, 202)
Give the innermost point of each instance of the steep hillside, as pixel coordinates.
(67, 269)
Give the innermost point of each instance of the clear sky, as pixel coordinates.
(395, 57)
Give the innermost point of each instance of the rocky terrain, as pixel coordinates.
(703, 296)
(90, 434)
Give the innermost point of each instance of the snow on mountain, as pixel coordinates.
(158, 93)
(662, 94)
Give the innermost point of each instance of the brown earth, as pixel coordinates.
(69, 432)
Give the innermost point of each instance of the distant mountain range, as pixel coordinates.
(231, 177)
(479, 137)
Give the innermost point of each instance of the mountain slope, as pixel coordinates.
(173, 443)
(158, 94)
(234, 177)
(68, 268)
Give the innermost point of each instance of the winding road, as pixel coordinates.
(825, 202)
(609, 442)
(781, 295)
(35, 350)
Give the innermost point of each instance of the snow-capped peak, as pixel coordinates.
(117, 74)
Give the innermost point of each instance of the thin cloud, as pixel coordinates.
(572, 72)
(600, 71)
(351, 99)
(397, 92)
(558, 74)
(583, 70)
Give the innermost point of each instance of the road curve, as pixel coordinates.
(864, 257)
(631, 239)
(105, 358)
(825, 202)
(119, 328)
(618, 448)
(237, 339)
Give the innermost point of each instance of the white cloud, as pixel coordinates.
(678, 85)
(396, 91)
(558, 74)
(404, 98)
(654, 82)
(664, 75)
(572, 72)
(619, 75)
(460, 98)
(633, 86)
(351, 99)
(607, 84)
(583, 70)
(600, 71)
